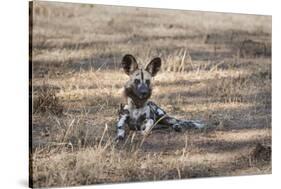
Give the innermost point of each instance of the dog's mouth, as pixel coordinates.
(136, 96)
(143, 96)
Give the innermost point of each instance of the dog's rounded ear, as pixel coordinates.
(129, 64)
(154, 66)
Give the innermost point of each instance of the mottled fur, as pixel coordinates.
(139, 113)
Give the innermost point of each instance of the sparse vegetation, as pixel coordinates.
(45, 100)
(216, 68)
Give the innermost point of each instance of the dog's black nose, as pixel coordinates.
(144, 93)
(143, 90)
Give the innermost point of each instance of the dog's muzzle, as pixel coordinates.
(143, 91)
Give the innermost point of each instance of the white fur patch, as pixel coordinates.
(121, 133)
(121, 121)
(136, 113)
(160, 112)
(148, 126)
(198, 125)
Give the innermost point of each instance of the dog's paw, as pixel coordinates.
(119, 138)
(147, 127)
(120, 134)
(177, 127)
(144, 130)
(198, 125)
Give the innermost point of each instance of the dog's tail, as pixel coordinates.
(187, 124)
(178, 124)
(193, 124)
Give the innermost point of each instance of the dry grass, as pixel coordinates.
(210, 72)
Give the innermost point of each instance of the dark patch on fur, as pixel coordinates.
(129, 64)
(136, 124)
(154, 66)
(138, 102)
(122, 111)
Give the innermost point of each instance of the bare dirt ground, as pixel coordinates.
(216, 68)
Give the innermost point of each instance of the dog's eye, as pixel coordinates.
(137, 81)
(147, 82)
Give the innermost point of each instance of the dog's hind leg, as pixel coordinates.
(165, 120)
(178, 125)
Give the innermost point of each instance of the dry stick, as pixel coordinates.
(185, 146)
(182, 61)
(215, 67)
(105, 129)
(131, 142)
(85, 137)
(101, 66)
(190, 60)
(179, 172)
(133, 136)
(175, 64)
(127, 139)
(169, 64)
(145, 136)
(58, 123)
(108, 143)
(68, 129)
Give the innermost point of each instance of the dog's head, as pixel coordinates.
(139, 86)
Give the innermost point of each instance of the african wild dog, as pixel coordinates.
(139, 113)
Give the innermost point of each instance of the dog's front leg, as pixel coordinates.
(147, 126)
(123, 118)
(121, 126)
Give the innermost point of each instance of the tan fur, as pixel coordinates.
(137, 75)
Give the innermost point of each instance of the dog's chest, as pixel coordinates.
(140, 114)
